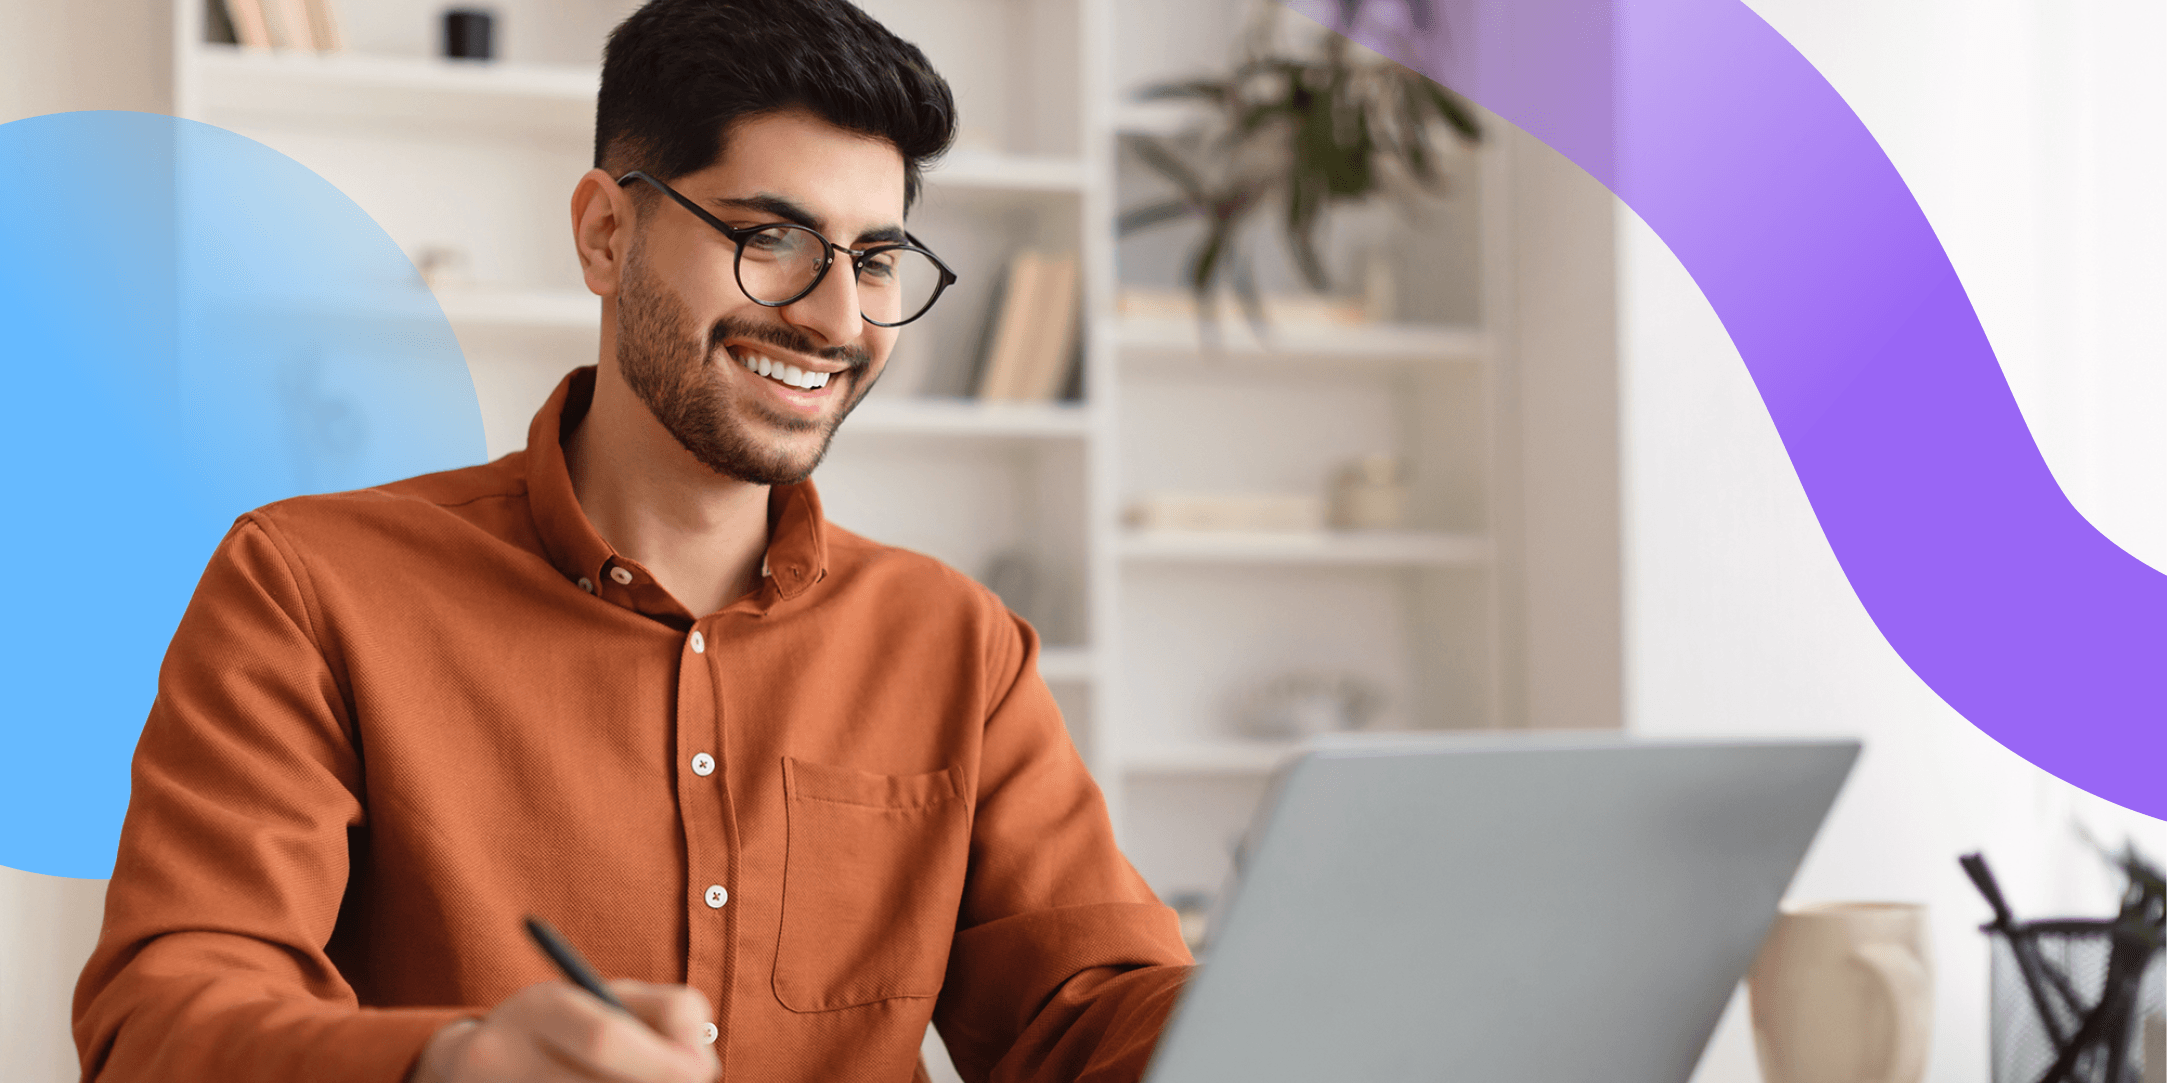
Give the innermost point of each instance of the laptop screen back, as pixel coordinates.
(1483, 911)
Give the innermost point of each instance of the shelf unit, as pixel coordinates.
(1351, 548)
(1147, 344)
(1146, 635)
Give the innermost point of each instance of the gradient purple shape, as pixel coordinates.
(1939, 507)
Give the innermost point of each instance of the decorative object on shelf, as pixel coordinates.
(441, 265)
(1843, 992)
(1298, 705)
(1194, 910)
(1034, 590)
(2068, 997)
(1324, 125)
(1257, 512)
(1369, 493)
(1030, 341)
(470, 34)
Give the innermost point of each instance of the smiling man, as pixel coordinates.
(801, 792)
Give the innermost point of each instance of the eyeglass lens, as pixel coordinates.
(779, 262)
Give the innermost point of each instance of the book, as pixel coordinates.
(1052, 346)
(249, 27)
(326, 26)
(1008, 347)
(218, 24)
(288, 21)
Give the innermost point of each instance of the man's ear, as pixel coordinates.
(602, 221)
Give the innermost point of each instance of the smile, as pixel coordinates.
(787, 375)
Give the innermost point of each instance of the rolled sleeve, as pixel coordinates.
(1065, 965)
(233, 860)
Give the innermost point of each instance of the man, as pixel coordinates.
(807, 790)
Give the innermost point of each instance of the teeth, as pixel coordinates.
(786, 374)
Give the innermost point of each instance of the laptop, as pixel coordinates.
(1490, 910)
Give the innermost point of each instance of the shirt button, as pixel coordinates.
(623, 577)
(703, 765)
(699, 643)
(708, 1033)
(716, 896)
(586, 584)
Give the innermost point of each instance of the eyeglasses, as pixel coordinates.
(779, 263)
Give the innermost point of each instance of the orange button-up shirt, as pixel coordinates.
(395, 721)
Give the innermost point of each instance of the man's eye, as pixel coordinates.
(879, 268)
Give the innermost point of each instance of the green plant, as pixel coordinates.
(1313, 127)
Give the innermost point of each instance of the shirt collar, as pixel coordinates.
(797, 553)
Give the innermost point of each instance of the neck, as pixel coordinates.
(700, 533)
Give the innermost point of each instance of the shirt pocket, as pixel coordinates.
(872, 881)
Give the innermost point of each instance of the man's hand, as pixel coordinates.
(553, 1032)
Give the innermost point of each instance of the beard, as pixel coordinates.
(677, 371)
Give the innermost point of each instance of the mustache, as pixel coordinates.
(785, 337)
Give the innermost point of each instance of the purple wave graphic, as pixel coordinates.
(1941, 510)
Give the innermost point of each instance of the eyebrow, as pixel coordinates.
(790, 211)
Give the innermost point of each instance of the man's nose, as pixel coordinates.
(831, 311)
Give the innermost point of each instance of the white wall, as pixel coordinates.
(2033, 135)
(83, 54)
(1563, 664)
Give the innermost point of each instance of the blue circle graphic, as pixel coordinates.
(192, 325)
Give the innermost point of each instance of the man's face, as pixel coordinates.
(686, 332)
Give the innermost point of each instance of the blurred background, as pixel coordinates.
(1504, 471)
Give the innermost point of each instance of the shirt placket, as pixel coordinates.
(710, 849)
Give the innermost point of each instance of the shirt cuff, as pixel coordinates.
(377, 1045)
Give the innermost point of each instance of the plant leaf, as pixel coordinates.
(1204, 270)
(1305, 198)
(1452, 109)
(1213, 90)
(1153, 214)
(1154, 152)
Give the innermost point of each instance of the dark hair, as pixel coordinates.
(678, 74)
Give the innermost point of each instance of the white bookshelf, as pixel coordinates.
(1338, 548)
(1179, 343)
(1208, 759)
(570, 311)
(1146, 635)
(312, 88)
(992, 171)
(971, 417)
(1066, 665)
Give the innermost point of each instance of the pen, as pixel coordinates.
(568, 961)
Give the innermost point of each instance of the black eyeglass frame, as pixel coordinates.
(738, 234)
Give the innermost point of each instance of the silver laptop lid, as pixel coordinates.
(1484, 910)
